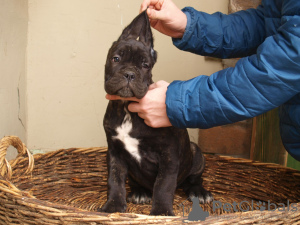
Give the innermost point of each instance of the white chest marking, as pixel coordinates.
(131, 144)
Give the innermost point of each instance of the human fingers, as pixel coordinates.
(157, 4)
(116, 97)
(135, 107)
(152, 86)
(154, 122)
(160, 83)
(157, 123)
(155, 14)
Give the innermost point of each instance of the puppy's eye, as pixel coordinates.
(116, 59)
(146, 66)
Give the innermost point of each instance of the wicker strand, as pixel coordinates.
(5, 167)
(67, 186)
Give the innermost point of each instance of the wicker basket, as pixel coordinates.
(68, 185)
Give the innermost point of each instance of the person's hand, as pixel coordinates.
(152, 107)
(165, 17)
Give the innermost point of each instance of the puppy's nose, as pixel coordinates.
(129, 75)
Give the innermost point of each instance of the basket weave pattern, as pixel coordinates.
(67, 186)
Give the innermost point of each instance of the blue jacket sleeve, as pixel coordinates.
(258, 83)
(224, 36)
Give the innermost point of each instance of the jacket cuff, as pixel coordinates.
(190, 14)
(183, 102)
(174, 104)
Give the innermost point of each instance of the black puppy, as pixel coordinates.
(156, 161)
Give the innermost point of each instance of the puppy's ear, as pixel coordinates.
(139, 29)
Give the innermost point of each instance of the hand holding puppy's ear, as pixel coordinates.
(165, 17)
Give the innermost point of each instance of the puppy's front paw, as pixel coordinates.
(158, 212)
(161, 211)
(113, 206)
(203, 195)
(139, 196)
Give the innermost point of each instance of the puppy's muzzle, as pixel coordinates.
(129, 75)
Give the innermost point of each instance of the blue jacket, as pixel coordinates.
(267, 77)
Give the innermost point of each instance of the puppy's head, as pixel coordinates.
(130, 60)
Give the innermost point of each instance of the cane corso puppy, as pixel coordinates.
(155, 160)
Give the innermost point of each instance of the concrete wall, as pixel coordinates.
(13, 42)
(67, 43)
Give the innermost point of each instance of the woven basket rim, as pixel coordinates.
(77, 214)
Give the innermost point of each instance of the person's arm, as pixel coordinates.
(258, 83)
(224, 36)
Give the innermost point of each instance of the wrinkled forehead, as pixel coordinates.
(133, 47)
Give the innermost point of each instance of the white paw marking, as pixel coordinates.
(201, 199)
(131, 144)
(209, 198)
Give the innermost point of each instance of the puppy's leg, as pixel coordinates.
(165, 186)
(138, 194)
(192, 186)
(116, 194)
